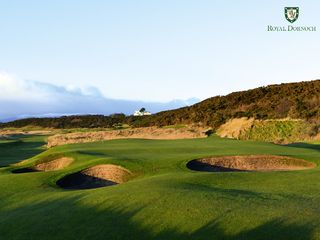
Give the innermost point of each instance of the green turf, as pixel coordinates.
(20, 147)
(165, 200)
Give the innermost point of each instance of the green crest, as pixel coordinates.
(291, 13)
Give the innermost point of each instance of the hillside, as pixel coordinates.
(294, 100)
(291, 100)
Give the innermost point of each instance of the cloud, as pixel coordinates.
(25, 98)
(11, 87)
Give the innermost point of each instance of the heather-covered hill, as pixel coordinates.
(294, 100)
(291, 100)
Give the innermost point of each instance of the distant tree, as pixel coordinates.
(142, 110)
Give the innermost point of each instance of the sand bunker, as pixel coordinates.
(249, 163)
(53, 165)
(95, 177)
(143, 133)
(233, 128)
(56, 164)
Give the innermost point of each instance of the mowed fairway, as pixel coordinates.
(164, 200)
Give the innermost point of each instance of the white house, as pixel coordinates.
(138, 113)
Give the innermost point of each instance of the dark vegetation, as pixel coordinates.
(295, 100)
(81, 121)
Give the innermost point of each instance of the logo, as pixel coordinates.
(291, 13)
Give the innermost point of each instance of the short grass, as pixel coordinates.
(165, 200)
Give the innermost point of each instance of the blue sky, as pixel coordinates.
(156, 50)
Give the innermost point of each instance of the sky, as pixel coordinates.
(148, 51)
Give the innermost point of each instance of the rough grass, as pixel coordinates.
(176, 126)
(277, 131)
(31, 128)
(165, 200)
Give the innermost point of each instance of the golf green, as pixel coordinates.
(163, 199)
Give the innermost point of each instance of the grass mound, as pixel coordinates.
(95, 177)
(249, 163)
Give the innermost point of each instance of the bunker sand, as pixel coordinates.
(249, 163)
(56, 164)
(143, 133)
(53, 165)
(94, 177)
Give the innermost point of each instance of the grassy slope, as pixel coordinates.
(166, 200)
(20, 147)
(277, 131)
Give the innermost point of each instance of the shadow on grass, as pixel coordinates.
(91, 153)
(24, 170)
(229, 193)
(304, 145)
(23, 147)
(68, 219)
(197, 165)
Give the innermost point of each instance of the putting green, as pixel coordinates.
(164, 199)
